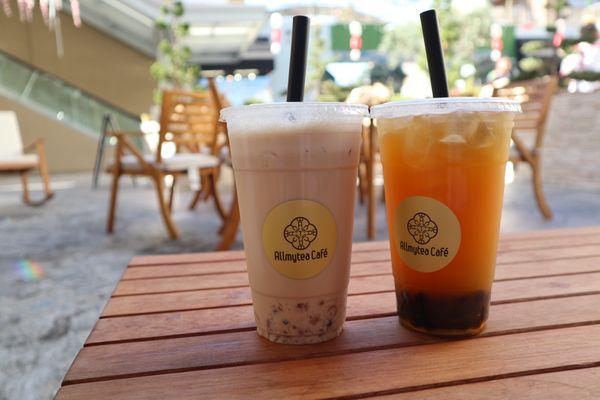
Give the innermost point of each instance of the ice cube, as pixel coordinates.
(457, 127)
(469, 123)
(417, 145)
(483, 136)
(453, 138)
(395, 124)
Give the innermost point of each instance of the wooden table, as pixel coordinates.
(181, 326)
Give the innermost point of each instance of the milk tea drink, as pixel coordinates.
(295, 167)
(443, 162)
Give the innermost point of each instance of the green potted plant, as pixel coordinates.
(172, 69)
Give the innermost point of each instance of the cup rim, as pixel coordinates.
(444, 105)
(336, 107)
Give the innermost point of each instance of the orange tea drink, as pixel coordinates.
(443, 163)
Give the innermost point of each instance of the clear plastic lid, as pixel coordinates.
(444, 105)
(314, 110)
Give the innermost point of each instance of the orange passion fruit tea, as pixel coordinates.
(443, 162)
(295, 167)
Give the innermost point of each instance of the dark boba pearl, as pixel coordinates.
(432, 312)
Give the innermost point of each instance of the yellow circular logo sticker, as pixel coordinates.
(299, 238)
(426, 233)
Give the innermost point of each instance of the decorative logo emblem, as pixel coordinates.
(422, 228)
(300, 233)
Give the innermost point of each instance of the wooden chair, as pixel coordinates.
(221, 149)
(109, 124)
(370, 95)
(366, 175)
(231, 224)
(190, 122)
(535, 97)
(16, 158)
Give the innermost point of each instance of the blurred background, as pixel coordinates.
(110, 144)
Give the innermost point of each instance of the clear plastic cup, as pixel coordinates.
(443, 162)
(295, 167)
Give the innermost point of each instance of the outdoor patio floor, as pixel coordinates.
(45, 316)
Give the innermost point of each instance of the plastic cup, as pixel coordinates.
(443, 162)
(295, 167)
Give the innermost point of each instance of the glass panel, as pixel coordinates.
(67, 103)
(12, 76)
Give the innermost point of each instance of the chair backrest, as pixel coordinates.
(535, 97)
(190, 119)
(10, 135)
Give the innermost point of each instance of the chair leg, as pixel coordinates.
(47, 191)
(195, 199)
(198, 194)
(43, 168)
(216, 197)
(113, 203)
(361, 179)
(370, 201)
(164, 209)
(25, 182)
(206, 183)
(370, 183)
(230, 228)
(539, 193)
(172, 193)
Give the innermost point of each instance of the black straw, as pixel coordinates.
(298, 55)
(435, 55)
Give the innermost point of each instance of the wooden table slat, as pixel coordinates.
(137, 327)
(246, 347)
(370, 372)
(220, 256)
(561, 266)
(239, 255)
(211, 298)
(237, 266)
(580, 384)
(505, 270)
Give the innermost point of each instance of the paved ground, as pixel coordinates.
(45, 316)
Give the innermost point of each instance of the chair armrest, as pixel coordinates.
(126, 133)
(123, 144)
(34, 146)
(38, 146)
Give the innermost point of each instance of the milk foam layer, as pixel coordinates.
(298, 145)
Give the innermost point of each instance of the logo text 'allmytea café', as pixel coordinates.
(299, 238)
(300, 233)
(426, 233)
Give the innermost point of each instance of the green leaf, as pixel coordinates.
(157, 95)
(182, 29)
(161, 24)
(533, 46)
(531, 64)
(158, 71)
(172, 68)
(164, 46)
(178, 9)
